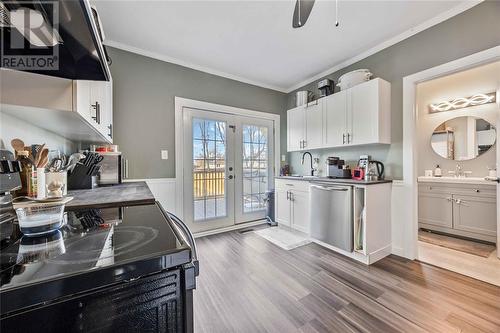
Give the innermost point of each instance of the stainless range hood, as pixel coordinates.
(77, 52)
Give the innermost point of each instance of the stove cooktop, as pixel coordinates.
(114, 241)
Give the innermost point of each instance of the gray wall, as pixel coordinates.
(143, 98)
(472, 31)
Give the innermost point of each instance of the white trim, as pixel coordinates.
(392, 41)
(463, 6)
(230, 228)
(409, 135)
(161, 57)
(180, 104)
(150, 180)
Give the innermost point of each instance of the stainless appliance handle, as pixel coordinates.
(330, 188)
(186, 234)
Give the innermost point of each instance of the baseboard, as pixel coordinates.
(380, 253)
(230, 228)
(399, 251)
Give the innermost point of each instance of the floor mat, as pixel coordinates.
(286, 239)
(458, 244)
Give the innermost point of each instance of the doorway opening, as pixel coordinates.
(456, 161)
(225, 164)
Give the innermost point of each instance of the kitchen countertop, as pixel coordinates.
(336, 180)
(457, 180)
(134, 193)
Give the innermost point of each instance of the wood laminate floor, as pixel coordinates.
(248, 284)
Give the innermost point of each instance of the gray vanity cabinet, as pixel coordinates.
(458, 209)
(475, 214)
(435, 209)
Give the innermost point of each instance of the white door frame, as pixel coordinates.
(410, 117)
(180, 104)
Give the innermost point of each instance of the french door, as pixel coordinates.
(228, 167)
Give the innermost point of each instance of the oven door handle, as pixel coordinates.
(187, 236)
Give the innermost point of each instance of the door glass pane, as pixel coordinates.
(209, 169)
(255, 167)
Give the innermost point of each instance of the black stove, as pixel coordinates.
(94, 248)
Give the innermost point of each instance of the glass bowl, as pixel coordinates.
(38, 220)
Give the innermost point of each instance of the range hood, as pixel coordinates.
(74, 49)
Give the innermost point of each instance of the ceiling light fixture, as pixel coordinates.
(463, 102)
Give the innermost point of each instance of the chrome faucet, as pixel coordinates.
(302, 162)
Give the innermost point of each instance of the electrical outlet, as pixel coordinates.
(164, 154)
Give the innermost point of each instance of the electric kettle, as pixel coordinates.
(374, 171)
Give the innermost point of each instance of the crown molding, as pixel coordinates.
(465, 5)
(462, 7)
(161, 57)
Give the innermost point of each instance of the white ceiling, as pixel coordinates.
(253, 41)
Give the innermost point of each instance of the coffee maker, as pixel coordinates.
(336, 168)
(10, 181)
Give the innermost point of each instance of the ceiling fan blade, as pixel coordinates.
(301, 13)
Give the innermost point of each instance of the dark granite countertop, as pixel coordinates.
(134, 193)
(336, 180)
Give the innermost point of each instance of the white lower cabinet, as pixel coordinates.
(282, 206)
(371, 219)
(300, 211)
(292, 205)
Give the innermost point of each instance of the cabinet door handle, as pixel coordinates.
(348, 138)
(110, 127)
(305, 143)
(287, 195)
(343, 139)
(449, 199)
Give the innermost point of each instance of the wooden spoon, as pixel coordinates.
(43, 158)
(17, 144)
(38, 153)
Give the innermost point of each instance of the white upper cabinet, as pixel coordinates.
(335, 119)
(295, 128)
(305, 126)
(369, 113)
(356, 116)
(314, 125)
(93, 100)
(59, 105)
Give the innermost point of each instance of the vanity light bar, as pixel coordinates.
(463, 102)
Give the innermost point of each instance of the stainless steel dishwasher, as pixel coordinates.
(331, 215)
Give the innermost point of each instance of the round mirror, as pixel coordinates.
(463, 138)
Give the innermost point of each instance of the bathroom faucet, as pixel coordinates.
(302, 162)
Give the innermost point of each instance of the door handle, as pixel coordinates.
(328, 188)
(110, 127)
(287, 195)
(343, 139)
(348, 138)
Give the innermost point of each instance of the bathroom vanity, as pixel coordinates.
(464, 207)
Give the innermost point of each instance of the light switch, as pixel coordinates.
(283, 158)
(164, 154)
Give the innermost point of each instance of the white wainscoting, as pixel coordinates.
(398, 225)
(163, 190)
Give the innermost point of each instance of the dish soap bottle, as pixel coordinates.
(437, 171)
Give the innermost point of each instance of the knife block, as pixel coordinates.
(80, 179)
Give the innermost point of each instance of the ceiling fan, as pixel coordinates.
(303, 9)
